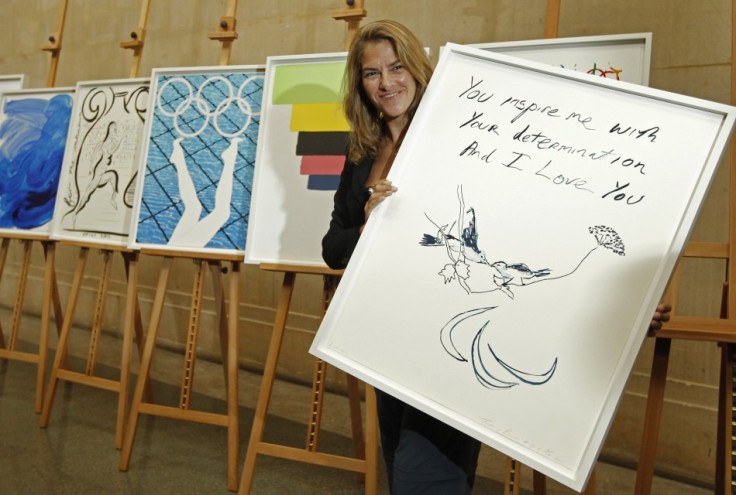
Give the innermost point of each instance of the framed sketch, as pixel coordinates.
(301, 152)
(513, 276)
(97, 184)
(196, 169)
(623, 57)
(33, 130)
(11, 82)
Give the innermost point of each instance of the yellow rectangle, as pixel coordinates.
(318, 117)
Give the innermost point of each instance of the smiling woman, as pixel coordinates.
(387, 73)
(390, 87)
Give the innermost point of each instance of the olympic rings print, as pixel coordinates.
(202, 108)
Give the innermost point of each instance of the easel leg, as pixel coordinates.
(657, 381)
(50, 297)
(55, 299)
(131, 312)
(190, 345)
(131, 265)
(20, 296)
(221, 307)
(269, 373)
(233, 429)
(315, 415)
(145, 368)
(3, 257)
(539, 481)
(356, 421)
(513, 477)
(726, 406)
(371, 443)
(96, 333)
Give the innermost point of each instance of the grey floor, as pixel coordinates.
(75, 453)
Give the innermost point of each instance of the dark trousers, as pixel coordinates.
(424, 455)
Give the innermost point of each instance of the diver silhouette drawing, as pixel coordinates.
(191, 230)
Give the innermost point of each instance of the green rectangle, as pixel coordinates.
(308, 83)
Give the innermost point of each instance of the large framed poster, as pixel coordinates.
(97, 185)
(623, 57)
(512, 277)
(33, 129)
(301, 152)
(196, 169)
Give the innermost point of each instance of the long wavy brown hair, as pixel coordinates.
(367, 128)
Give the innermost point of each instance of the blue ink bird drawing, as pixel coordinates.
(466, 261)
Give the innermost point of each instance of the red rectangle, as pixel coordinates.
(322, 165)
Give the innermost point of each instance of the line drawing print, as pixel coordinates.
(32, 141)
(102, 171)
(199, 168)
(107, 131)
(460, 240)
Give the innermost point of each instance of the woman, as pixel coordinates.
(386, 75)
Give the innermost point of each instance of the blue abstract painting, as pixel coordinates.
(33, 132)
(199, 160)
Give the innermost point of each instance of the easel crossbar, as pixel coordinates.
(25, 357)
(216, 419)
(92, 381)
(310, 457)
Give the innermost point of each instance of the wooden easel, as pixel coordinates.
(366, 447)
(228, 329)
(50, 301)
(54, 44)
(60, 369)
(228, 319)
(51, 290)
(137, 39)
(226, 32)
(721, 330)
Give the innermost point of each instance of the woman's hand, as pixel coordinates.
(661, 315)
(378, 192)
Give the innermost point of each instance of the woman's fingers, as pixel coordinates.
(378, 192)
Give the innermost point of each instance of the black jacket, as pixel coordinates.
(348, 214)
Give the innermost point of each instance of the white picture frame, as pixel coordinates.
(515, 173)
(12, 82)
(96, 192)
(200, 137)
(33, 128)
(624, 57)
(301, 152)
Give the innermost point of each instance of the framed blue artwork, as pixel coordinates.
(33, 132)
(197, 160)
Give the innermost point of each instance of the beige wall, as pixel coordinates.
(690, 55)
